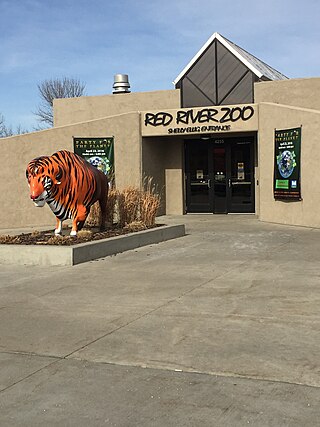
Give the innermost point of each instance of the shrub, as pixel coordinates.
(111, 206)
(129, 206)
(93, 219)
(149, 202)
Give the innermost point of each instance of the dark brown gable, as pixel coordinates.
(216, 78)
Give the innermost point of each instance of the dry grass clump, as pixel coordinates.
(85, 233)
(135, 226)
(55, 239)
(149, 202)
(93, 219)
(59, 239)
(62, 240)
(17, 239)
(9, 239)
(35, 233)
(129, 206)
(111, 205)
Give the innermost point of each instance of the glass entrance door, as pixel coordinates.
(220, 175)
(218, 158)
(241, 177)
(198, 179)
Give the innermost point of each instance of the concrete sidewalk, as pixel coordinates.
(217, 328)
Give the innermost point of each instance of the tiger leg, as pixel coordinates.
(103, 205)
(80, 225)
(79, 220)
(58, 228)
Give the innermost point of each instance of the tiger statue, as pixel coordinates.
(69, 185)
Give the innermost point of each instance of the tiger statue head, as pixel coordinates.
(42, 179)
(69, 185)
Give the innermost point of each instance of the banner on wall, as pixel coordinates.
(97, 151)
(287, 153)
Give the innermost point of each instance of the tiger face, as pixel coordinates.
(41, 181)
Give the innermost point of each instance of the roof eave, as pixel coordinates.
(224, 42)
(226, 45)
(195, 58)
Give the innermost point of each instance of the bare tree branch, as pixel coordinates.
(56, 88)
(6, 131)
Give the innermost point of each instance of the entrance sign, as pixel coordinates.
(200, 120)
(97, 151)
(287, 164)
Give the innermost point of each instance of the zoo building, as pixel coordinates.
(234, 136)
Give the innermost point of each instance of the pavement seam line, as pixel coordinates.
(30, 375)
(134, 320)
(29, 353)
(178, 370)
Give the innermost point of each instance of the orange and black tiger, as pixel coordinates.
(69, 185)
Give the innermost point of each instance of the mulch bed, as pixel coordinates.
(88, 234)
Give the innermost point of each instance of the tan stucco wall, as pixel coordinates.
(17, 209)
(305, 212)
(162, 158)
(153, 165)
(75, 110)
(295, 92)
(174, 170)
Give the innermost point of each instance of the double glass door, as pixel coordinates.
(220, 175)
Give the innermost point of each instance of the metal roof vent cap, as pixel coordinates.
(121, 83)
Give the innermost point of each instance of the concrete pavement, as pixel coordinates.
(217, 328)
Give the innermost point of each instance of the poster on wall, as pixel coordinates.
(97, 151)
(287, 164)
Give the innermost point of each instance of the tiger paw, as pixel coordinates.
(73, 233)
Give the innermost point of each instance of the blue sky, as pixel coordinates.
(151, 40)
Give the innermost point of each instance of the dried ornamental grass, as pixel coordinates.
(9, 239)
(85, 233)
(135, 226)
(128, 206)
(150, 201)
(149, 205)
(111, 206)
(93, 219)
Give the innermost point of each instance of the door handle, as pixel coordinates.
(229, 182)
(209, 183)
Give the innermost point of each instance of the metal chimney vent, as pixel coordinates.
(121, 83)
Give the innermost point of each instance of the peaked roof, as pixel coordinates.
(258, 67)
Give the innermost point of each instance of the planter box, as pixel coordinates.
(83, 252)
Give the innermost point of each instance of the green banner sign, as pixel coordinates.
(97, 151)
(287, 164)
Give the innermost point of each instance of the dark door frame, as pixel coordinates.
(211, 206)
